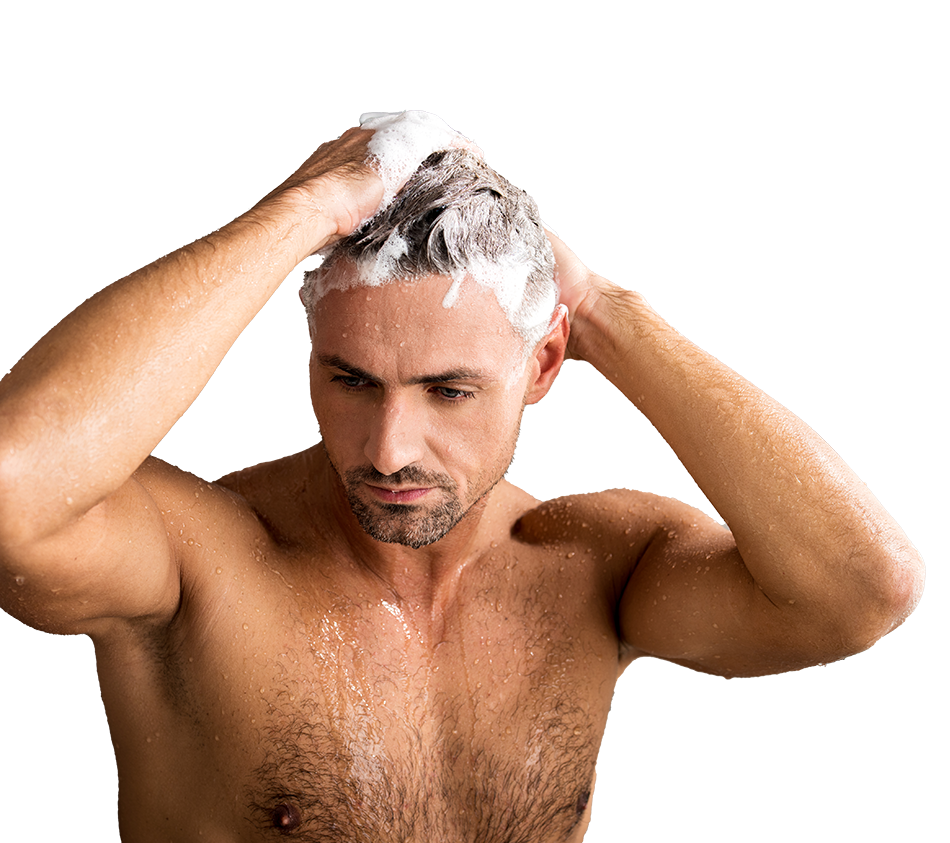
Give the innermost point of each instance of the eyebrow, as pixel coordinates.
(461, 373)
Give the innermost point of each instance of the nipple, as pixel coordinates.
(286, 818)
(582, 801)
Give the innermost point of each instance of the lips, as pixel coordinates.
(397, 495)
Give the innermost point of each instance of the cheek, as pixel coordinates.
(478, 438)
(337, 422)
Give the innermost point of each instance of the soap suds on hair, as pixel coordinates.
(445, 212)
(383, 267)
(402, 140)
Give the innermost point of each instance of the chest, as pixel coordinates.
(363, 721)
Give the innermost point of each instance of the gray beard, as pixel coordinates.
(406, 524)
(409, 524)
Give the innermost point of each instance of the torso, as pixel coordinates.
(295, 696)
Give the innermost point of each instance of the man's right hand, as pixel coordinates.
(337, 183)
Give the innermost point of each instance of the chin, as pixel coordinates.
(411, 526)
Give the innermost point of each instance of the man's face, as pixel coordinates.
(419, 405)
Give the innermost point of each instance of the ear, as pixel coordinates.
(547, 358)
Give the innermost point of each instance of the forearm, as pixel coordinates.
(806, 527)
(92, 399)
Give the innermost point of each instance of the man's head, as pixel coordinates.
(458, 218)
(432, 327)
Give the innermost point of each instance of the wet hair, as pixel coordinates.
(459, 218)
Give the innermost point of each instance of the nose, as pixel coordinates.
(395, 438)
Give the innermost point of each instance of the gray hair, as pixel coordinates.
(458, 218)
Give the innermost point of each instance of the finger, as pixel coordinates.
(566, 262)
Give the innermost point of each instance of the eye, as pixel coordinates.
(350, 381)
(454, 395)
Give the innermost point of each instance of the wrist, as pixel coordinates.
(298, 219)
(602, 322)
(331, 205)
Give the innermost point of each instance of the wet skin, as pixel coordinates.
(320, 684)
(294, 651)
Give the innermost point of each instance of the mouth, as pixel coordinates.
(397, 495)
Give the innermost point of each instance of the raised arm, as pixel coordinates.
(81, 538)
(811, 568)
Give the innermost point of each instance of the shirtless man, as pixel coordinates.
(380, 639)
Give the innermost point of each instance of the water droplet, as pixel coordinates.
(20, 580)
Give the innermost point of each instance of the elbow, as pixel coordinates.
(907, 576)
(890, 588)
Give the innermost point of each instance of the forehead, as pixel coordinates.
(422, 325)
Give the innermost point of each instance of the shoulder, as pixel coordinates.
(276, 493)
(176, 490)
(197, 513)
(259, 479)
(253, 476)
(603, 533)
(617, 528)
(622, 516)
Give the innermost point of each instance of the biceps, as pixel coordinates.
(671, 603)
(114, 562)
